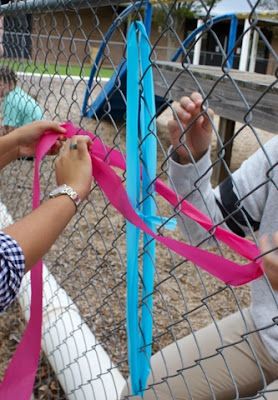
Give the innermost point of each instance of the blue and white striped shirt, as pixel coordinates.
(12, 265)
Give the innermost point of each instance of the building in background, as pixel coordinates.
(74, 37)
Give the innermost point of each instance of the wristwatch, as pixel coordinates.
(67, 190)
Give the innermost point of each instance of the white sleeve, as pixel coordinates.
(237, 203)
(193, 183)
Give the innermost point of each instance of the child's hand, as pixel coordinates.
(198, 136)
(74, 165)
(27, 136)
(270, 260)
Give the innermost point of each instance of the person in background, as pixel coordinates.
(22, 244)
(236, 357)
(17, 107)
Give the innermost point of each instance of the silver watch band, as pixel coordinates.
(66, 190)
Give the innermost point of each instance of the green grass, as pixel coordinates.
(51, 69)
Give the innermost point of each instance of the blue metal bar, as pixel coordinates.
(121, 69)
(232, 40)
(104, 94)
(215, 20)
(148, 18)
(121, 17)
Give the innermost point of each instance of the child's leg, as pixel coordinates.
(213, 363)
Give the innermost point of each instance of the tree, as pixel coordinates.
(180, 10)
(170, 17)
(193, 8)
(268, 5)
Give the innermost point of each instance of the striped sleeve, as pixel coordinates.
(243, 196)
(235, 215)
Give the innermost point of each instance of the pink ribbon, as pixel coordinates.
(20, 375)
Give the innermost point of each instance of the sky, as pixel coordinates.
(233, 6)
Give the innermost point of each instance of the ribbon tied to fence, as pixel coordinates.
(141, 134)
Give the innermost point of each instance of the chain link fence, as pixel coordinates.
(53, 47)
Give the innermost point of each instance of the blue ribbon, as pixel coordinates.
(141, 134)
(169, 224)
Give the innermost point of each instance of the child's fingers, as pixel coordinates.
(192, 105)
(181, 114)
(187, 104)
(204, 121)
(197, 99)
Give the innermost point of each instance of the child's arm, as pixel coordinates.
(190, 130)
(190, 133)
(239, 201)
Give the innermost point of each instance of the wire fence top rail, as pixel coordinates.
(37, 6)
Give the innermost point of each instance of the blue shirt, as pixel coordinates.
(19, 109)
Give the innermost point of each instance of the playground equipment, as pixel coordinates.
(112, 98)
